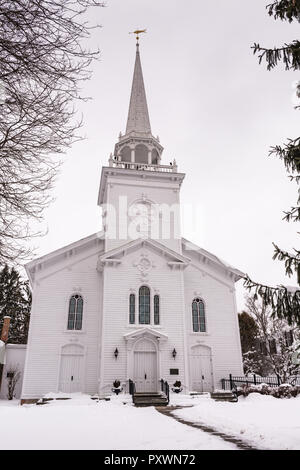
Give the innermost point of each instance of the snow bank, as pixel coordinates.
(265, 421)
(82, 423)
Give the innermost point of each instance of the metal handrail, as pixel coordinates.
(131, 388)
(165, 389)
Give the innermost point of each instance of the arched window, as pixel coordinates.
(198, 316)
(144, 305)
(156, 310)
(75, 313)
(155, 157)
(132, 309)
(141, 153)
(126, 154)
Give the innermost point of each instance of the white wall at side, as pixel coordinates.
(48, 334)
(222, 332)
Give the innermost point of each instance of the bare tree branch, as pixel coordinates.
(43, 61)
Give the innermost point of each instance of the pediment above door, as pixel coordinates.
(149, 333)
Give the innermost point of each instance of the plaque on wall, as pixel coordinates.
(174, 371)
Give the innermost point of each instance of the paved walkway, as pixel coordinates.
(168, 411)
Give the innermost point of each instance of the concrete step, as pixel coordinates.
(150, 399)
(224, 396)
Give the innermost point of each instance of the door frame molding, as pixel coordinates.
(131, 340)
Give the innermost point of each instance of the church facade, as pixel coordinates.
(135, 301)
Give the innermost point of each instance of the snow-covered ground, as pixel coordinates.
(264, 421)
(82, 423)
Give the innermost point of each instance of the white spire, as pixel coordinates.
(138, 116)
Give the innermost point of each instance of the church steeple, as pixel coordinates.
(138, 145)
(138, 116)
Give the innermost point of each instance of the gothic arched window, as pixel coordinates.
(144, 305)
(75, 312)
(198, 316)
(156, 310)
(132, 309)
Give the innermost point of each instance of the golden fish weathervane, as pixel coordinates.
(137, 32)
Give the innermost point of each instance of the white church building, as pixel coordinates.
(136, 301)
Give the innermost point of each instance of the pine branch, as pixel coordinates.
(292, 262)
(285, 10)
(289, 54)
(292, 215)
(290, 154)
(285, 303)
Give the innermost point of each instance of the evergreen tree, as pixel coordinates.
(15, 301)
(284, 301)
(253, 360)
(248, 331)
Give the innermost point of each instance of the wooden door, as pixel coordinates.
(70, 380)
(145, 368)
(201, 369)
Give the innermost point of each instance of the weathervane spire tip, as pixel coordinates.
(137, 32)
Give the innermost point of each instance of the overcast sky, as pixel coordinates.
(216, 111)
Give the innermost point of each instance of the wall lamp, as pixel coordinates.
(174, 353)
(116, 353)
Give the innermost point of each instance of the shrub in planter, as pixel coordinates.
(117, 387)
(177, 388)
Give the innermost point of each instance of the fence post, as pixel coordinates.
(230, 380)
(254, 377)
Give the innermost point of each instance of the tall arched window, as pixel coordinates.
(198, 316)
(156, 310)
(144, 305)
(132, 309)
(75, 313)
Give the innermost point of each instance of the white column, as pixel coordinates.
(149, 157)
(132, 154)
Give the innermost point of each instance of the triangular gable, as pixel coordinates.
(114, 255)
(144, 332)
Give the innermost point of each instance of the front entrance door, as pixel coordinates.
(201, 369)
(145, 367)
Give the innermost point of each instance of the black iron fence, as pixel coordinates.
(272, 381)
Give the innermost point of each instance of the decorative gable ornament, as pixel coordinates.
(144, 265)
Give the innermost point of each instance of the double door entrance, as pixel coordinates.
(145, 367)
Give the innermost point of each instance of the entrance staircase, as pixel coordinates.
(150, 399)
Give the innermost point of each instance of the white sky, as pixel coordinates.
(216, 111)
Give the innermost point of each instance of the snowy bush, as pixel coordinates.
(283, 391)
